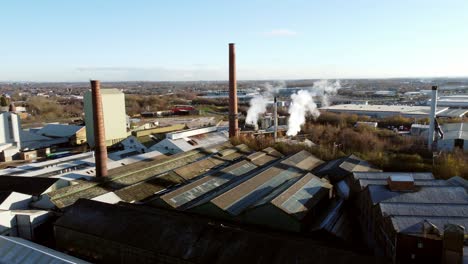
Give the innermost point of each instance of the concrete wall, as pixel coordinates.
(115, 120)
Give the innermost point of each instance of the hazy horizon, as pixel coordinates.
(118, 41)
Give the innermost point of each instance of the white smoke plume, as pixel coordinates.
(303, 103)
(258, 103)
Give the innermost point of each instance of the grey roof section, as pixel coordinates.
(251, 195)
(380, 178)
(206, 184)
(59, 130)
(455, 131)
(365, 183)
(303, 195)
(385, 175)
(414, 225)
(423, 210)
(453, 112)
(15, 250)
(338, 169)
(458, 181)
(425, 195)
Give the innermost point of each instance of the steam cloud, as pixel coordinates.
(258, 103)
(303, 103)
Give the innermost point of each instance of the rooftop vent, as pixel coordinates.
(400, 183)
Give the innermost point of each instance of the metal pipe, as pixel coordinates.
(432, 116)
(100, 148)
(233, 117)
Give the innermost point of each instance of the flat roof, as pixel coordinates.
(403, 109)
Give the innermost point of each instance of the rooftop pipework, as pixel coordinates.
(100, 149)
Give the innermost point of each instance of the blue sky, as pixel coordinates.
(116, 40)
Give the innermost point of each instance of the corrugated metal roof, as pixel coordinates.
(15, 250)
(128, 175)
(198, 168)
(418, 209)
(414, 225)
(250, 191)
(206, 184)
(148, 188)
(303, 160)
(458, 181)
(303, 195)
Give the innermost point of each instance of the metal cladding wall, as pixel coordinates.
(100, 149)
(233, 119)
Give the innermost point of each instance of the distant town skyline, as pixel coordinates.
(72, 41)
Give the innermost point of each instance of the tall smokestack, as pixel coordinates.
(275, 116)
(432, 116)
(233, 118)
(100, 149)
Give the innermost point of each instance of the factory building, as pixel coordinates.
(199, 190)
(185, 140)
(76, 135)
(293, 205)
(455, 101)
(339, 169)
(381, 111)
(412, 217)
(132, 182)
(204, 240)
(455, 137)
(113, 108)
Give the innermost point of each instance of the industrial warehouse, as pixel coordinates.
(192, 195)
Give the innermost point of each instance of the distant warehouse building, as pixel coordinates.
(455, 136)
(380, 111)
(115, 119)
(457, 101)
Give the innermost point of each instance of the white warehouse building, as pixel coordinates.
(455, 136)
(380, 111)
(115, 118)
